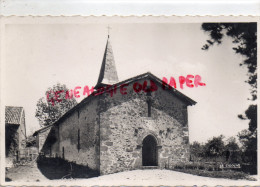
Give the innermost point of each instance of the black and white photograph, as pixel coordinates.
(129, 101)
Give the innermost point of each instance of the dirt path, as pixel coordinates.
(28, 173)
(157, 177)
(136, 177)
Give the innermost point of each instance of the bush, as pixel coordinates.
(217, 174)
(209, 170)
(249, 168)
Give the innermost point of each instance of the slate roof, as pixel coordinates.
(108, 76)
(108, 73)
(13, 115)
(42, 129)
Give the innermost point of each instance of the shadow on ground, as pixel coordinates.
(57, 168)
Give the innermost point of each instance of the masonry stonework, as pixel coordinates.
(124, 124)
(79, 136)
(118, 128)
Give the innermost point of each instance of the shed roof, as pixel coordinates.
(13, 115)
(43, 129)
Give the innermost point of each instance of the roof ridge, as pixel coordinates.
(173, 91)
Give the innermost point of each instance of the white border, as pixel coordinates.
(127, 7)
(115, 19)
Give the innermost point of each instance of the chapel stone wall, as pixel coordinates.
(124, 123)
(79, 136)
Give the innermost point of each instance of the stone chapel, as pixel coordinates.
(123, 132)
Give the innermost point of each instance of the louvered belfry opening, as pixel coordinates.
(149, 151)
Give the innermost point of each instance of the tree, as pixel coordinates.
(57, 102)
(233, 151)
(250, 114)
(196, 150)
(249, 137)
(214, 147)
(232, 144)
(244, 35)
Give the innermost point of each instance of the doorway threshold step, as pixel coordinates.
(149, 167)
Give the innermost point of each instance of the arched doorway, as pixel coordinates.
(149, 151)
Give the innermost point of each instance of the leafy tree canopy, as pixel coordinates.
(55, 103)
(251, 114)
(232, 145)
(244, 35)
(215, 146)
(196, 149)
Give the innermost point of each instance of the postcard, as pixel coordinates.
(135, 101)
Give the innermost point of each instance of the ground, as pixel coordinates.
(136, 177)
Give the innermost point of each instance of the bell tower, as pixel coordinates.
(108, 73)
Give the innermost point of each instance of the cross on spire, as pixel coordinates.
(108, 29)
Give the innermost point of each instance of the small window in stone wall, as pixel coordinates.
(136, 132)
(149, 104)
(50, 150)
(78, 139)
(149, 108)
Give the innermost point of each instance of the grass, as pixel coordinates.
(228, 174)
(210, 170)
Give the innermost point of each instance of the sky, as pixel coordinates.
(38, 56)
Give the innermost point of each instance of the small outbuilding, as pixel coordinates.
(15, 132)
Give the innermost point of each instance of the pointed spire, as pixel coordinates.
(108, 73)
(108, 28)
